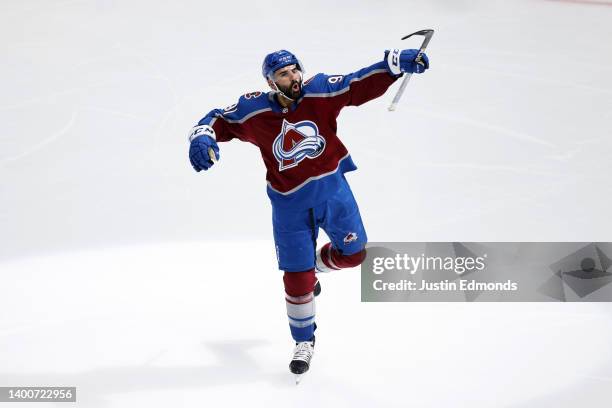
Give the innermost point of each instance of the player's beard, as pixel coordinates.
(289, 91)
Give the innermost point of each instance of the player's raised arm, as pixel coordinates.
(370, 82)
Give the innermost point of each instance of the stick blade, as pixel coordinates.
(424, 32)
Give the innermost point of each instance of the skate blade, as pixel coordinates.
(298, 378)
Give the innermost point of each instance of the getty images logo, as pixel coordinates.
(413, 264)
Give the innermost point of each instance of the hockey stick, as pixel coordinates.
(427, 34)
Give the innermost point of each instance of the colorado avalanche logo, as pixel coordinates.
(350, 237)
(296, 142)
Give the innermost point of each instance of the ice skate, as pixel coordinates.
(302, 354)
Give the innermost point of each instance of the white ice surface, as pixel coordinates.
(145, 284)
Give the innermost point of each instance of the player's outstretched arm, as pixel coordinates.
(203, 148)
(223, 125)
(370, 82)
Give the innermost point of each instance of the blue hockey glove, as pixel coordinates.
(202, 148)
(402, 61)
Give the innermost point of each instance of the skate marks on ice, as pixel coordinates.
(83, 87)
(96, 388)
(488, 127)
(235, 368)
(48, 140)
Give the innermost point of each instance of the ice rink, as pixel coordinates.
(142, 283)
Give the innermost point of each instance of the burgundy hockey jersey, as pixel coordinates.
(304, 157)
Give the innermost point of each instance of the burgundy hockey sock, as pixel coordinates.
(299, 297)
(334, 260)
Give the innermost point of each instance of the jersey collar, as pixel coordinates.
(278, 108)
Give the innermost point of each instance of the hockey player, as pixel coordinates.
(294, 127)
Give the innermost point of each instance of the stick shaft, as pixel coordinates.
(428, 34)
(400, 92)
